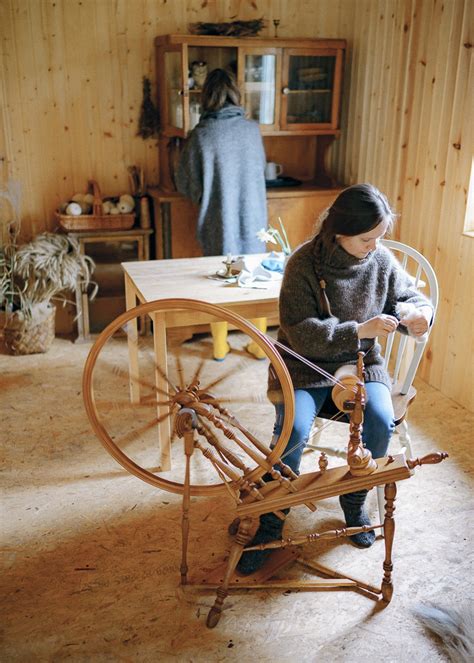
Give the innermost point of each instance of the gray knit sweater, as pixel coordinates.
(222, 169)
(357, 291)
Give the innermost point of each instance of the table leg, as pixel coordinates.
(143, 254)
(85, 316)
(82, 306)
(132, 341)
(162, 387)
(81, 337)
(219, 338)
(253, 348)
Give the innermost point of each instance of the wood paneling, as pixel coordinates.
(407, 127)
(71, 73)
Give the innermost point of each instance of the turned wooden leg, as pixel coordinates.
(405, 439)
(188, 450)
(389, 532)
(219, 337)
(253, 348)
(241, 539)
(132, 342)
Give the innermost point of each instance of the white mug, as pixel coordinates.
(272, 170)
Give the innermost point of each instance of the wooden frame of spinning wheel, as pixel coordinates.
(262, 497)
(158, 312)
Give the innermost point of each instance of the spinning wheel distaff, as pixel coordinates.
(211, 429)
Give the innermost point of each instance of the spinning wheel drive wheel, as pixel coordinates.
(135, 386)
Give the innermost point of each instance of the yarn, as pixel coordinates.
(407, 311)
(454, 626)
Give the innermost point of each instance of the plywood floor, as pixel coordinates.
(91, 553)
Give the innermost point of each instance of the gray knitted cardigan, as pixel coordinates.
(357, 291)
(222, 169)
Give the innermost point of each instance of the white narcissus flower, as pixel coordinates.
(273, 236)
(265, 236)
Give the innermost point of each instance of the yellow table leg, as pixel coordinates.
(219, 337)
(253, 348)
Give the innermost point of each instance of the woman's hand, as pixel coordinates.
(418, 322)
(381, 325)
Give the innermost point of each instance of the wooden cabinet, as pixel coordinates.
(291, 87)
(175, 218)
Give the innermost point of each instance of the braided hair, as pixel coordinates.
(357, 210)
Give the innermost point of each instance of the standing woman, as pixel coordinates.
(339, 293)
(222, 169)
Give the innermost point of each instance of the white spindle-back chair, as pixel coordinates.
(402, 355)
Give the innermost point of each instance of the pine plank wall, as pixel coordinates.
(70, 94)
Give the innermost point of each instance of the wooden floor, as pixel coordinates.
(92, 554)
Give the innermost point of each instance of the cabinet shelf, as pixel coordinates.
(315, 91)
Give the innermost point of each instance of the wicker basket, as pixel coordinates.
(28, 338)
(97, 220)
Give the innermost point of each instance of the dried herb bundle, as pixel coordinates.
(38, 272)
(149, 122)
(232, 29)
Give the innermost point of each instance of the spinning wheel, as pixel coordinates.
(133, 401)
(172, 427)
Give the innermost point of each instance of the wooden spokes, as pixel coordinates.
(134, 388)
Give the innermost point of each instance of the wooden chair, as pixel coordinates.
(402, 356)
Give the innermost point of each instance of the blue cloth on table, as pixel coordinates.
(275, 262)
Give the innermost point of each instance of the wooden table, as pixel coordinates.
(184, 278)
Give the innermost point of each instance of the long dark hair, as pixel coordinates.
(357, 210)
(219, 89)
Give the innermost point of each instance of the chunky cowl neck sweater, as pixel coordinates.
(222, 169)
(357, 289)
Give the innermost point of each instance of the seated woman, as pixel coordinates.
(339, 293)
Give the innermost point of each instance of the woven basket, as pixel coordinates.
(22, 337)
(97, 220)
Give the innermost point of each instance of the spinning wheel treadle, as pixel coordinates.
(133, 401)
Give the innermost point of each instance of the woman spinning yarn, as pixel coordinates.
(222, 169)
(339, 293)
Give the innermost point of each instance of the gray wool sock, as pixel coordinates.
(270, 529)
(356, 515)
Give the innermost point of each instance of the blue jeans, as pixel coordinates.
(377, 428)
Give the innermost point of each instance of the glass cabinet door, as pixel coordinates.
(310, 79)
(201, 60)
(259, 71)
(174, 92)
